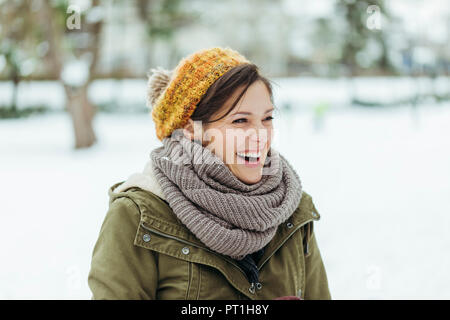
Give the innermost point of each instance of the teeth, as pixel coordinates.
(249, 154)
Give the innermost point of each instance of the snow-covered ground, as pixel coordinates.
(379, 178)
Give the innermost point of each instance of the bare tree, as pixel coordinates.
(81, 110)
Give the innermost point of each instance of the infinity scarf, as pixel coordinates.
(227, 215)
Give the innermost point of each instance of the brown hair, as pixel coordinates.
(224, 87)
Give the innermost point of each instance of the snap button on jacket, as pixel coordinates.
(144, 252)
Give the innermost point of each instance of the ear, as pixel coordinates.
(188, 129)
(193, 130)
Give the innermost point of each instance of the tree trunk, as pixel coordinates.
(15, 81)
(82, 114)
(78, 105)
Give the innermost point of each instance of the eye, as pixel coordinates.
(237, 120)
(269, 118)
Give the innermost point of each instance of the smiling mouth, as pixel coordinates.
(251, 162)
(249, 159)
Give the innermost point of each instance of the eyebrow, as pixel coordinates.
(251, 113)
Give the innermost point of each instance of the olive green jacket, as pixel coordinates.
(144, 252)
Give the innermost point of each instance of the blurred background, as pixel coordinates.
(363, 96)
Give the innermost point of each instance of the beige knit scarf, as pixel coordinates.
(229, 216)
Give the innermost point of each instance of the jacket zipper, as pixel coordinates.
(279, 246)
(192, 244)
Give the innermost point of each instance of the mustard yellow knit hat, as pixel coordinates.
(173, 95)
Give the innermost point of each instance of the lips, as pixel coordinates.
(250, 161)
(251, 157)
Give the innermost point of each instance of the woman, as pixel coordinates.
(217, 212)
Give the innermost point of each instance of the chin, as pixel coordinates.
(250, 179)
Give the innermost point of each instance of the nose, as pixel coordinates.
(258, 137)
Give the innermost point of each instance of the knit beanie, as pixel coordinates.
(174, 95)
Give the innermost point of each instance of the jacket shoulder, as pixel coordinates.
(305, 215)
(129, 274)
(147, 202)
(306, 209)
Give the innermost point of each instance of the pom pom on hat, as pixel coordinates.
(157, 83)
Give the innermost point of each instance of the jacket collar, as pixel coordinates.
(145, 180)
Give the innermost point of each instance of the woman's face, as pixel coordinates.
(245, 132)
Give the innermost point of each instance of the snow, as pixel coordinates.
(380, 179)
(75, 72)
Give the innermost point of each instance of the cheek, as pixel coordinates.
(216, 142)
(270, 133)
(229, 150)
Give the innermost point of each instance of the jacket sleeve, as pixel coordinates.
(119, 269)
(316, 287)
